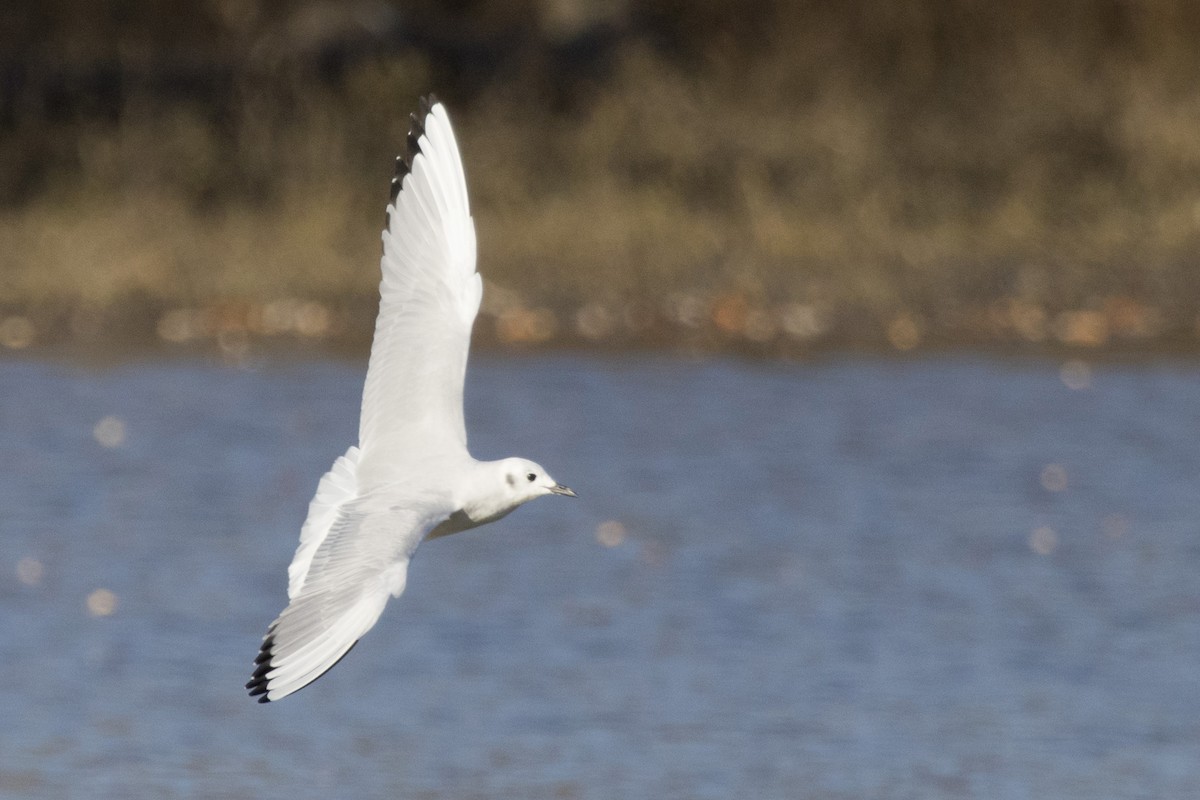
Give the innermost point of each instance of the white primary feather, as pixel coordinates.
(429, 297)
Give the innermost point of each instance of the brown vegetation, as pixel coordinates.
(773, 176)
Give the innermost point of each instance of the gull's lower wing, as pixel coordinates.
(429, 296)
(360, 562)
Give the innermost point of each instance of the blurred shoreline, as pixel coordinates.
(769, 178)
(685, 324)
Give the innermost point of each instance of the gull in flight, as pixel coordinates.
(410, 477)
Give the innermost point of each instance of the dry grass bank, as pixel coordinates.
(819, 177)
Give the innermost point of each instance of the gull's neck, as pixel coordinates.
(484, 498)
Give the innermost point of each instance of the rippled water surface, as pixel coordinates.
(939, 578)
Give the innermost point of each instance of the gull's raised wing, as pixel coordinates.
(360, 562)
(429, 297)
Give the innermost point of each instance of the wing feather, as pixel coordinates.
(429, 297)
(361, 561)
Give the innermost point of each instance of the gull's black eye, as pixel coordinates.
(531, 477)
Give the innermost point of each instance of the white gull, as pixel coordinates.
(410, 477)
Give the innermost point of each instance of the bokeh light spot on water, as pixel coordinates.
(687, 309)
(594, 321)
(1083, 327)
(181, 325)
(803, 321)
(526, 326)
(904, 332)
(1043, 540)
(611, 533)
(1075, 374)
(101, 603)
(290, 315)
(109, 432)
(16, 332)
(729, 312)
(1054, 478)
(30, 571)
(312, 320)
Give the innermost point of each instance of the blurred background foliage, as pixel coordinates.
(769, 175)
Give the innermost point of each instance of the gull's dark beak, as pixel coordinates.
(563, 490)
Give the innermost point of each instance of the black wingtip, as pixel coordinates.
(257, 685)
(412, 143)
(260, 691)
(416, 125)
(264, 653)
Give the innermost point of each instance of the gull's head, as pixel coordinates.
(524, 480)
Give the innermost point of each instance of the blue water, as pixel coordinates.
(941, 578)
